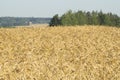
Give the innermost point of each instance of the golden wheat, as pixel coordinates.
(60, 53)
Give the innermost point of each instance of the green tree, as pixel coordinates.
(81, 18)
(89, 18)
(107, 20)
(55, 21)
(101, 18)
(66, 19)
(94, 18)
(115, 20)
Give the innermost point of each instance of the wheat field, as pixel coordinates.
(60, 53)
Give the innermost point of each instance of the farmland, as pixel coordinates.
(60, 53)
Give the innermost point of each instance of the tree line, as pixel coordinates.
(85, 18)
(19, 21)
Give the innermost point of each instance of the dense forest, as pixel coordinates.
(85, 18)
(19, 21)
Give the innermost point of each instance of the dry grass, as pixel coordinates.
(60, 53)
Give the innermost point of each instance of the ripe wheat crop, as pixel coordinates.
(60, 53)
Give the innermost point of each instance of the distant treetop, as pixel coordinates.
(85, 18)
(19, 21)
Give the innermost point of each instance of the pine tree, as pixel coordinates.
(89, 18)
(94, 18)
(55, 21)
(101, 18)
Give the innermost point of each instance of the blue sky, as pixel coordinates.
(48, 8)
